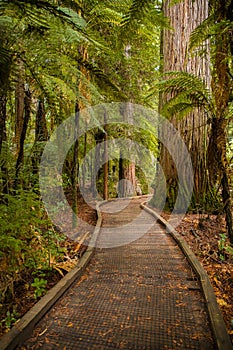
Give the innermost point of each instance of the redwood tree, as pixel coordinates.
(193, 128)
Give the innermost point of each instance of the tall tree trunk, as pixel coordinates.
(127, 176)
(184, 17)
(98, 170)
(3, 100)
(19, 105)
(5, 68)
(105, 158)
(41, 135)
(84, 169)
(75, 168)
(3, 116)
(41, 131)
(27, 112)
(222, 91)
(127, 179)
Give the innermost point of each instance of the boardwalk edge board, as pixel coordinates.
(216, 320)
(22, 329)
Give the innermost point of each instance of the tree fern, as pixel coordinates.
(202, 33)
(138, 9)
(209, 29)
(214, 26)
(100, 14)
(101, 78)
(179, 105)
(187, 88)
(144, 11)
(34, 13)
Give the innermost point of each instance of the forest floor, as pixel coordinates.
(206, 236)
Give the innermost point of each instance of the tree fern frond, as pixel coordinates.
(152, 92)
(73, 17)
(34, 12)
(229, 115)
(183, 81)
(5, 49)
(5, 21)
(5, 55)
(101, 14)
(202, 33)
(138, 10)
(75, 5)
(120, 5)
(101, 78)
(188, 91)
(209, 28)
(179, 109)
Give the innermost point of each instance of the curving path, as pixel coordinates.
(142, 295)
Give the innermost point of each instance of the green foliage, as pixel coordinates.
(34, 11)
(104, 14)
(40, 287)
(188, 91)
(27, 239)
(10, 319)
(202, 33)
(144, 11)
(43, 44)
(225, 249)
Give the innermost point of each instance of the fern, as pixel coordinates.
(34, 11)
(101, 78)
(184, 81)
(5, 55)
(202, 33)
(73, 18)
(188, 92)
(138, 10)
(180, 105)
(144, 12)
(210, 28)
(101, 15)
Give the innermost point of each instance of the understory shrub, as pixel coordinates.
(28, 242)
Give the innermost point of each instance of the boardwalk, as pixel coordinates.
(142, 295)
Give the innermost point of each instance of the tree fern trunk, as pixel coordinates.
(41, 135)
(19, 105)
(75, 169)
(3, 167)
(27, 112)
(3, 100)
(222, 90)
(105, 158)
(41, 132)
(184, 17)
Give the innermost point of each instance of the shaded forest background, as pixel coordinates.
(58, 58)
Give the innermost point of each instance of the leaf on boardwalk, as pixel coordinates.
(65, 265)
(222, 302)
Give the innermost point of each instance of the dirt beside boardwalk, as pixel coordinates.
(206, 236)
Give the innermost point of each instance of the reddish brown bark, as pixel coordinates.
(184, 18)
